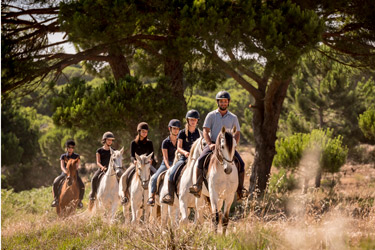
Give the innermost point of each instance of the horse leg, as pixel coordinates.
(184, 212)
(199, 205)
(226, 215)
(214, 209)
(164, 214)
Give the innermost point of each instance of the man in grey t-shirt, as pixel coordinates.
(213, 123)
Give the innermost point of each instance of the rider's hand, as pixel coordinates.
(135, 162)
(187, 154)
(212, 146)
(104, 169)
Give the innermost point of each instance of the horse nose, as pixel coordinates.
(228, 170)
(145, 184)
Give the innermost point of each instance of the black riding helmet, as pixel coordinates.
(192, 114)
(174, 123)
(107, 135)
(70, 143)
(142, 125)
(223, 95)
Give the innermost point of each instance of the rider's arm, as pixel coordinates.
(237, 136)
(165, 157)
(98, 162)
(62, 166)
(207, 137)
(180, 149)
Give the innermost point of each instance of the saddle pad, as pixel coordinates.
(177, 182)
(159, 182)
(178, 172)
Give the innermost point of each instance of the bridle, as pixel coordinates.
(220, 157)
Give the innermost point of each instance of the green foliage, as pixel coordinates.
(291, 149)
(367, 123)
(280, 183)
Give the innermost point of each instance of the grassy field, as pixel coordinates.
(340, 216)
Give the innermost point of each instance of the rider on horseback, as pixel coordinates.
(70, 144)
(186, 138)
(103, 155)
(168, 148)
(140, 145)
(213, 123)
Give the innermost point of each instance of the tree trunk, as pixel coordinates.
(265, 122)
(118, 63)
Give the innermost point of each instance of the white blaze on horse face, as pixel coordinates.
(143, 168)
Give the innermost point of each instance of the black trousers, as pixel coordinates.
(62, 176)
(206, 151)
(95, 183)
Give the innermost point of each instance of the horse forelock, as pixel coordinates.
(229, 142)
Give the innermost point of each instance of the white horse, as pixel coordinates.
(107, 196)
(138, 189)
(186, 199)
(222, 177)
(166, 212)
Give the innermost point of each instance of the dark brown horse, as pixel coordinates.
(69, 195)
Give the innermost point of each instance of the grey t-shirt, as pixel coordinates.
(214, 121)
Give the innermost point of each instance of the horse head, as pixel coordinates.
(143, 168)
(72, 170)
(225, 148)
(116, 161)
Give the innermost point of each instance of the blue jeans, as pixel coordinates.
(155, 176)
(176, 166)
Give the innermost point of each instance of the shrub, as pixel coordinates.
(332, 153)
(367, 123)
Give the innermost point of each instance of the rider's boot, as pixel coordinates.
(55, 202)
(151, 200)
(80, 204)
(169, 198)
(197, 187)
(241, 191)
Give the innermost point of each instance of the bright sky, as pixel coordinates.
(57, 37)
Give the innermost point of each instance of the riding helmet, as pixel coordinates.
(108, 135)
(142, 125)
(174, 123)
(192, 114)
(223, 95)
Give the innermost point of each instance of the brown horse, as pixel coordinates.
(69, 196)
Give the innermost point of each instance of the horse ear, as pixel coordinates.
(137, 157)
(234, 129)
(112, 151)
(122, 150)
(223, 130)
(150, 155)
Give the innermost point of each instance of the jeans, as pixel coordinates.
(176, 166)
(155, 176)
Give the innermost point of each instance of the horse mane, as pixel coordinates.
(192, 150)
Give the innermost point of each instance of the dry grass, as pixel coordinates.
(338, 217)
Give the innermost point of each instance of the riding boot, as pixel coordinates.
(241, 191)
(151, 200)
(55, 202)
(169, 198)
(197, 187)
(80, 204)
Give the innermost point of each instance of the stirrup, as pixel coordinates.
(167, 199)
(124, 200)
(55, 203)
(80, 205)
(151, 201)
(195, 190)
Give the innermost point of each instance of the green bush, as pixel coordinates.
(367, 123)
(291, 149)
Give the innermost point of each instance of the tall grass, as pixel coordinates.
(321, 219)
